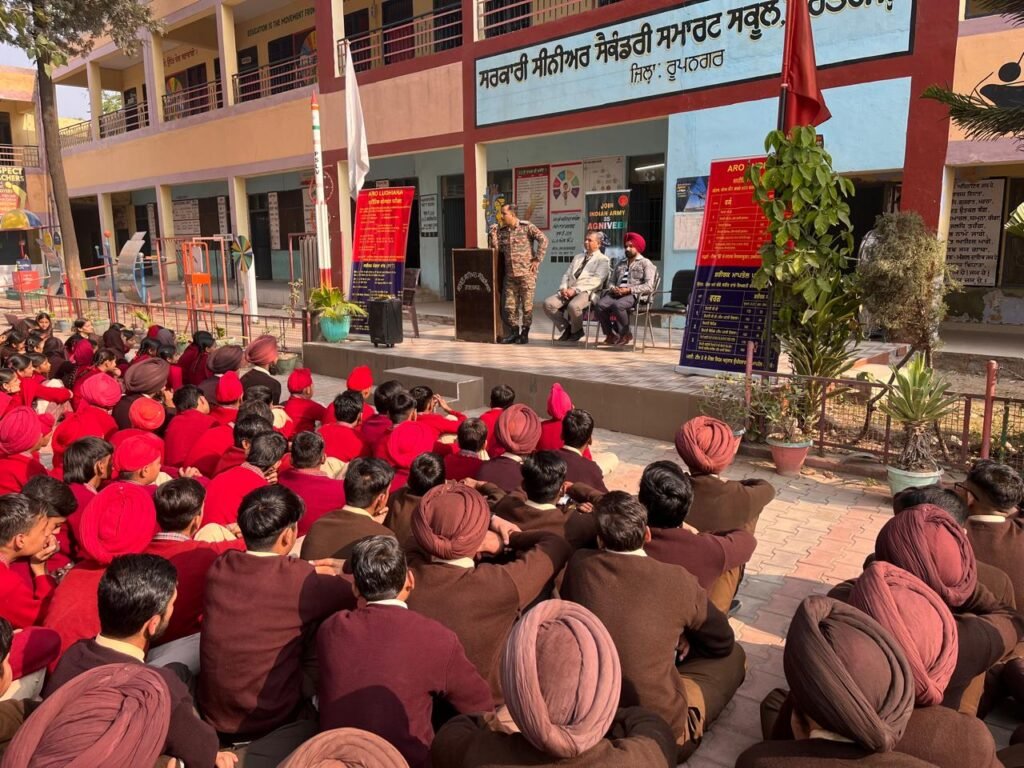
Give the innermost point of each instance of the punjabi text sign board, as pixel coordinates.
(378, 246)
(976, 231)
(725, 310)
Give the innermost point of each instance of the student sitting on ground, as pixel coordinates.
(577, 437)
(319, 491)
(471, 439)
(226, 490)
(343, 438)
(502, 397)
(517, 431)
(426, 472)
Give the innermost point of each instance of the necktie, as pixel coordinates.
(583, 266)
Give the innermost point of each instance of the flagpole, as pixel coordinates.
(784, 87)
(323, 241)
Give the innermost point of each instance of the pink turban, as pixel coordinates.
(224, 359)
(360, 379)
(919, 621)
(409, 440)
(147, 377)
(450, 521)
(83, 353)
(101, 390)
(146, 413)
(559, 402)
(262, 351)
(115, 715)
(345, 748)
(20, 431)
(848, 674)
(518, 429)
(636, 240)
(561, 677)
(299, 379)
(706, 445)
(229, 388)
(926, 541)
(120, 520)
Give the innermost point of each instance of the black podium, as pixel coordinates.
(477, 281)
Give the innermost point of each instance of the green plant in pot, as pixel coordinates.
(917, 399)
(334, 313)
(724, 398)
(781, 410)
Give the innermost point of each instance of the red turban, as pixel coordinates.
(83, 353)
(848, 674)
(706, 445)
(345, 748)
(926, 541)
(262, 351)
(152, 331)
(101, 390)
(146, 413)
(299, 379)
(120, 520)
(518, 429)
(450, 521)
(20, 431)
(559, 402)
(32, 649)
(229, 388)
(409, 440)
(561, 677)
(146, 377)
(360, 379)
(115, 715)
(637, 241)
(919, 621)
(135, 453)
(224, 359)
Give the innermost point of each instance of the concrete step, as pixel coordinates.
(462, 391)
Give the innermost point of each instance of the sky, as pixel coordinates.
(71, 102)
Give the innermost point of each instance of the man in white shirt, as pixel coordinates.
(585, 276)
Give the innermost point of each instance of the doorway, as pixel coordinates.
(259, 226)
(453, 228)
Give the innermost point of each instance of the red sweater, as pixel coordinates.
(441, 424)
(225, 492)
(21, 604)
(343, 442)
(222, 415)
(183, 433)
(459, 466)
(32, 388)
(490, 418)
(18, 469)
(206, 453)
(74, 607)
(304, 413)
(320, 492)
(375, 429)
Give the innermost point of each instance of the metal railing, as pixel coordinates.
(25, 155)
(75, 134)
(193, 101)
(499, 17)
(124, 120)
(423, 35)
(278, 77)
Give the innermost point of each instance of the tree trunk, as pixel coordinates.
(55, 165)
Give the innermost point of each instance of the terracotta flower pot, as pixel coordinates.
(789, 457)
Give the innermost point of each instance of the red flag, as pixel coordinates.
(805, 104)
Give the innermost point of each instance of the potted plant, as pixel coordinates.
(782, 410)
(724, 398)
(334, 312)
(916, 400)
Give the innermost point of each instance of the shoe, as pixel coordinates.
(625, 340)
(610, 340)
(524, 336)
(575, 336)
(566, 336)
(512, 338)
(734, 607)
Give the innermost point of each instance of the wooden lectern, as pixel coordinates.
(478, 276)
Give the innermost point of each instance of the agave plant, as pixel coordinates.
(918, 398)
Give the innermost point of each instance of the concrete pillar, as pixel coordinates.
(471, 22)
(946, 200)
(474, 164)
(165, 222)
(105, 203)
(92, 72)
(238, 203)
(225, 15)
(156, 83)
(345, 207)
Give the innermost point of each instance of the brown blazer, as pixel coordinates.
(401, 504)
(819, 753)
(576, 527)
(334, 534)
(580, 469)
(727, 505)
(1001, 545)
(504, 472)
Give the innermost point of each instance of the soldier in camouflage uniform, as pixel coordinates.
(514, 240)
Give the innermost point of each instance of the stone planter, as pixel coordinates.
(901, 479)
(789, 457)
(287, 362)
(335, 331)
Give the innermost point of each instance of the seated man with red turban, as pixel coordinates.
(708, 446)
(137, 461)
(26, 533)
(226, 490)
(303, 410)
(360, 380)
(562, 681)
(406, 442)
(145, 379)
(262, 353)
(479, 601)
(229, 396)
(517, 432)
(22, 433)
(92, 419)
(631, 281)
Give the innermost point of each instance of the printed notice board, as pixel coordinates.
(976, 231)
(379, 245)
(725, 310)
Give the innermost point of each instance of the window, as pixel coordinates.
(977, 8)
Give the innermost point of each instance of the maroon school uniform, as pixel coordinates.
(440, 423)
(459, 466)
(304, 412)
(706, 555)
(320, 492)
(185, 430)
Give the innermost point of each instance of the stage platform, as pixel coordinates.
(638, 393)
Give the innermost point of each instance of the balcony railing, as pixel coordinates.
(25, 155)
(423, 35)
(130, 118)
(281, 76)
(193, 101)
(499, 17)
(75, 134)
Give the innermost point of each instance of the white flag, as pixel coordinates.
(355, 129)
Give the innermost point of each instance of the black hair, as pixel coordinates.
(36, 359)
(178, 502)
(266, 513)
(266, 450)
(347, 407)
(18, 362)
(167, 352)
(402, 407)
(18, 514)
(666, 492)
(307, 450)
(204, 340)
(379, 567)
(425, 472)
(186, 398)
(133, 590)
(577, 428)
(472, 434)
(34, 339)
(383, 393)
(104, 356)
(932, 494)
(81, 456)
(258, 393)
(55, 495)
(621, 521)
(1000, 483)
(257, 408)
(79, 324)
(422, 394)
(149, 347)
(128, 334)
(543, 476)
(6, 638)
(365, 480)
(41, 315)
(502, 396)
(7, 376)
(249, 428)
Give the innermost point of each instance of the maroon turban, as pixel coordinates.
(636, 240)
(561, 677)
(83, 353)
(450, 521)
(409, 440)
(926, 541)
(224, 359)
(262, 351)
(706, 445)
(848, 674)
(345, 748)
(919, 621)
(120, 520)
(299, 379)
(115, 715)
(518, 429)
(146, 413)
(166, 337)
(360, 379)
(146, 377)
(20, 431)
(229, 388)
(559, 402)
(101, 390)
